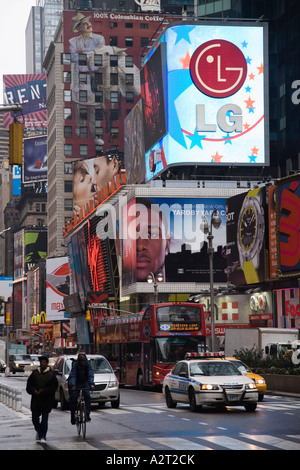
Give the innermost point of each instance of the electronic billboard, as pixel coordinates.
(216, 96)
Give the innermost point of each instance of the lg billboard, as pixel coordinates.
(214, 79)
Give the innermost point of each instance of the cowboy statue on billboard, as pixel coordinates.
(148, 5)
(83, 49)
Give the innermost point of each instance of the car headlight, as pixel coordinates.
(209, 387)
(17, 364)
(251, 386)
(113, 383)
(260, 381)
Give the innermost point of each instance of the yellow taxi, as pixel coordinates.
(259, 381)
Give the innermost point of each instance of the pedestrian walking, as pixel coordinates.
(41, 385)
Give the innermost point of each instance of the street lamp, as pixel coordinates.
(158, 278)
(215, 222)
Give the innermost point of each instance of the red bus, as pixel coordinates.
(145, 346)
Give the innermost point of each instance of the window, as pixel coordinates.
(67, 77)
(83, 114)
(114, 132)
(114, 97)
(37, 207)
(129, 61)
(98, 78)
(114, 80)
(113, 40)
(68, 186)
(68, 150)
(144, 42)
(99, 97)
(66, 59)
(129, 79)
(113, 61)
(82, 59)
(67, 95)
(82, 77)
(83, 132)
(144, 25)
(128, 42)
(83, 150)
(98, 114)
(68, 132)
(98, 60)
(67, 113)
(114, 114)
(68, 168)
(68, 203)
(128, 25)
(129, 97)
(83, 96)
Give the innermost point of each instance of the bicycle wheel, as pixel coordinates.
(78, 420)
(83, 419)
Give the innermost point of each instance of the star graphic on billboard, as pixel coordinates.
(184, 33)
(196, 139)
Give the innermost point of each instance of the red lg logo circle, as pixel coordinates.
(218, 68)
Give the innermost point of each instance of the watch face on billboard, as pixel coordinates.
(216, 97)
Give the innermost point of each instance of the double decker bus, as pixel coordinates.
(145, 346)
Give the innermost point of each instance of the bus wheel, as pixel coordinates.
(169, 400)
(140, 381)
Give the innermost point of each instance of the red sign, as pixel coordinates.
(218, 68)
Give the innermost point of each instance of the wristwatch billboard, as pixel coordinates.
(250, 234)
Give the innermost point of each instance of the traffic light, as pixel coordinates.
(88, 315)
(16, 143)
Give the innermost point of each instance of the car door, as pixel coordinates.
(179, 382)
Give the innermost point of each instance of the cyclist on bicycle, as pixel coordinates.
(81, 376)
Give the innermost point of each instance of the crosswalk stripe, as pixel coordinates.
(146, 410)
(126, 444)
(273, 441)
(178, 443)
(113, 411)
(230, 443)
(75, 446)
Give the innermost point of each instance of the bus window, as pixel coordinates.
(172, 349)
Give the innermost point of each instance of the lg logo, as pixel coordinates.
(218, 68)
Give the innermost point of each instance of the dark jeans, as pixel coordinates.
(73, 400)
(41, 427)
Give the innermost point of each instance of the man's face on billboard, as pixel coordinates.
(152, 243)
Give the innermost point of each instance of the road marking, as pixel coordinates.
(273, 441)
(126, 444)
(178, 443)
(230, 443)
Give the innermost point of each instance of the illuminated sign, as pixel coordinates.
(289, 225)
(215, 96)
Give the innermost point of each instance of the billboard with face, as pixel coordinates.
(57, 286)
(162, 235)
(217, 102)
(92, 175)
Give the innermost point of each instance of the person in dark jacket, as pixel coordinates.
(41, 385)
(81, 376)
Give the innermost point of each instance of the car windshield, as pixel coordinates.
(100, 365)
(241, 367)
(22, 357)
(213, 368)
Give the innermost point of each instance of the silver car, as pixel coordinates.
(106, 383)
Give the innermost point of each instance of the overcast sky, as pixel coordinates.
(14, 14)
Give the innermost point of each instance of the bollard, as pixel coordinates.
(9, 402)
(1, 393)
(18, 400)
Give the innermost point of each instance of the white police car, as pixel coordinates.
(203, 380)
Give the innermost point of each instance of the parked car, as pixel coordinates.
(106, 383)
(18, 362)
(259, 381)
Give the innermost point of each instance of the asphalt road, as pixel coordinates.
(144, 423)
